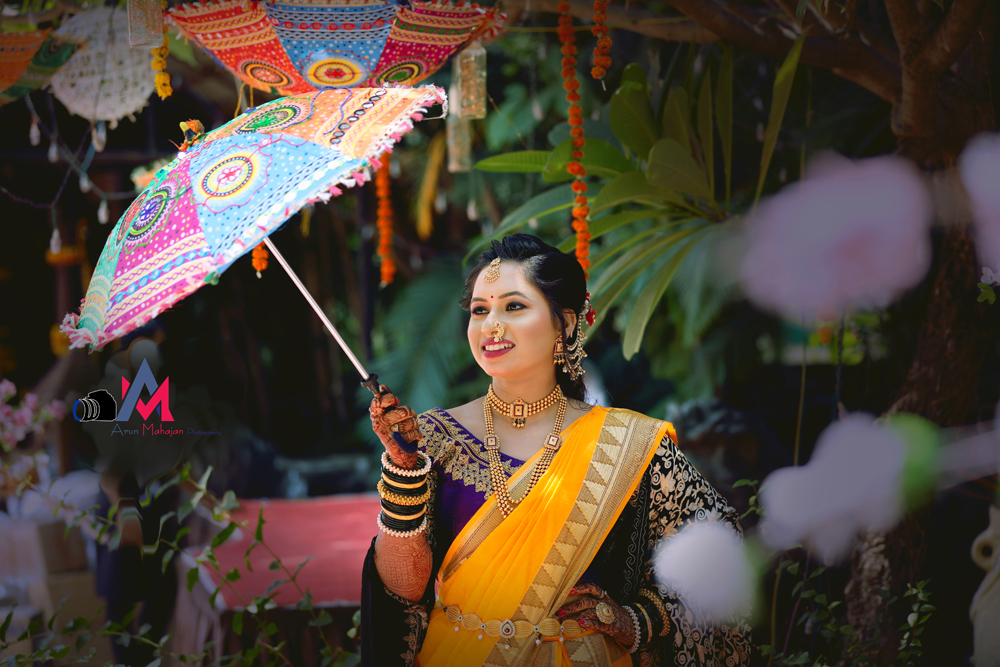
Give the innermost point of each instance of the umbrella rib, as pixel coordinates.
(315, 306)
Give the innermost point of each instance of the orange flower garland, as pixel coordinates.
(602, 61)
(260, 256)
(581, 210)
(159, 64)
(384, 193)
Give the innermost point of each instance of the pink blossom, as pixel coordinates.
(58, 410)
(7, 389)
(852, 482)
(23, 417)
(851, 234)
(979, 166)
(31, 401)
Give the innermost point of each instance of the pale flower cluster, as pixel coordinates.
(979, 167)
(852, 483)
(29, 417)
(850, 234)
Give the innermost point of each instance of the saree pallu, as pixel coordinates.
(514, 574)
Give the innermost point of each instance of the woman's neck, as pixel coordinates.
(528, 390)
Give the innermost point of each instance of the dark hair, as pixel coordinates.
(556, 274)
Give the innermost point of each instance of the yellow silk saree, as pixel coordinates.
(501, 581)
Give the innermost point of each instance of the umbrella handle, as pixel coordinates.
(372, 385)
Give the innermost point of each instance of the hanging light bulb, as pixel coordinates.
(99, 135)
(469, 71)
(53, 151)
(440, 202)
(84, 183)
(471, 211)
(34, 134)
(102, 211)
(394, 170)
(55, 243)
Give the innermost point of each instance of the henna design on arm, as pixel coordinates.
(621, 629)
(404, 564)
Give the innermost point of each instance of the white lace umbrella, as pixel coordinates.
(105, 80)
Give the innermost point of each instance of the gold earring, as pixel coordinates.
(575, 353)
(559, 356)
(498, 332)
(493, 271)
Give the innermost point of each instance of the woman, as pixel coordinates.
(555, 569)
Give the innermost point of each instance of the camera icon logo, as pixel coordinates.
(98, 406)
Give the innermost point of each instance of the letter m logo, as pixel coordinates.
(159, 396)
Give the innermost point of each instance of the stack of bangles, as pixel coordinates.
(404, 496)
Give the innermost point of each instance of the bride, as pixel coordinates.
(521, 530)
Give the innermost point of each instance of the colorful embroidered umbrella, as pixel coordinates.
(228, 190)
(49, 53)
(291, 46)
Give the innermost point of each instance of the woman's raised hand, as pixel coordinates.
(583, 611)
(388, 416)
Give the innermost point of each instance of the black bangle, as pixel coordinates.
(401, 479)
(409, 493)
(405, 510)
(645, 623)
(396, 524)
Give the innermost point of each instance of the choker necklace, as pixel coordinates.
(497, 476)
(519, 411)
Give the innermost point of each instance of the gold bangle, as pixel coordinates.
(658, 603)
(401, 499)
(649, 622)
(404, 518)
(396, 484)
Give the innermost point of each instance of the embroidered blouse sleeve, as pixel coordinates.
(678, 496)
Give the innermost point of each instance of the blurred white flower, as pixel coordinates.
(979, 166)
(848, 234)
(853, 482)
(706, 565)
(989, 277)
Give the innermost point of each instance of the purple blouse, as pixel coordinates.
(463, 479)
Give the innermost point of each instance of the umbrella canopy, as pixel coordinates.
(292, 46)
(45, 54)
(229, 189)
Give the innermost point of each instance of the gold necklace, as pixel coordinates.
(519, 411)
(497, 476)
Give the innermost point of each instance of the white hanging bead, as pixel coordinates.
(84, 183)
(102, 212)
(55, 243)
(53, 152)
(34, 134)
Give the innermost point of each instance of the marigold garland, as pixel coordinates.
(260, 256)
(571, 85)
(384, 221)
(159, 63)
(602, 61)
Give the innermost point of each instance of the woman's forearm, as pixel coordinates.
(404, 564)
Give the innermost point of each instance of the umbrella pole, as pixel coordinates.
(319, 311)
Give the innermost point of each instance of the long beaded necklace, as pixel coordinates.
(519, 411)
(497, 476)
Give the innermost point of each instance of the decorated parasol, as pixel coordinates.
(28, 60)
(293, 46)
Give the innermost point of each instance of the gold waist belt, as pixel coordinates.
(508, 629)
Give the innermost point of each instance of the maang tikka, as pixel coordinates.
(493, 271)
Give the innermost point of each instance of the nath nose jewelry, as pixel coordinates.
(498, 331)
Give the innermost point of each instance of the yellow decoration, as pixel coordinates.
(58, 341)
(159, 64)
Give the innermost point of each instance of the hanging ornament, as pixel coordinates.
(306, 223)
(102, 211)
(260, 256)
(53, 151)
(384, 222)
(602, 61)
(160, 53)
(99, 135)
(572, 85)
(84, 183)
(145, 22)
(55, 242)
(34, 135)
(469, 73)
(459, 140)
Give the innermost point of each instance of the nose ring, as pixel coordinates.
(498, 331)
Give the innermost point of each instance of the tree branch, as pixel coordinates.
(949, 41)
(908, 26)
(633, 20)
(849, 58)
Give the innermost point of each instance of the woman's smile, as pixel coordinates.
(492, 350)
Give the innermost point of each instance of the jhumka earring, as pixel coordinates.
(493, 271)
(498, 331)
(559, 355)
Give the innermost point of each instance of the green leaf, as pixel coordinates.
(631, 119)
(651, 295)
(705, 134)
(246, 556)
(846, 629)
(238, 622)
(740, 482)
(215, 594)
(192, 578)
(155, 663)
(321, 620)
(783, 81)
(226, 533)
(275, 584)
(271, 629)
(229, 501)
(675, 118)
(300, 566)
(275, 565)
(602, 226)
(724, 113)
(165, 563)
(632, 187)
(911, 619)
(793, 568)
(521, 162)
(986, 293)
(550, 201)
(634, 73)
(233, 575)
(599, 159)
(5, 627)
(673, 168)
(259, 534)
